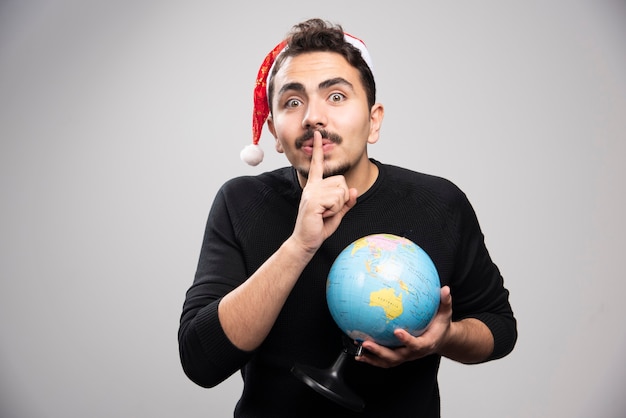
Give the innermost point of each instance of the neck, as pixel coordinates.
(360, 177)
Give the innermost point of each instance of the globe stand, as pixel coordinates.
(329, 382)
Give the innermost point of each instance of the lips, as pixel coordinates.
(309, 143)
(328, 138)
(307, 146)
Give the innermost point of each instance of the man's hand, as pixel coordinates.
(466, 341)
(248, 313)
(323, 204)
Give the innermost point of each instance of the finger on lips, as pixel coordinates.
(316, 171)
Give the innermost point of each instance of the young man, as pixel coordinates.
(258, 304)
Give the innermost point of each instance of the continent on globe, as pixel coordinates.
(389, 301)
(380, 283)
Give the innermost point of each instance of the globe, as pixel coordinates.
(379, 283)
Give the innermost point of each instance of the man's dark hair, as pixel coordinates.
(317, 35)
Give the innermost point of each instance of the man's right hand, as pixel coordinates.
(323, 204)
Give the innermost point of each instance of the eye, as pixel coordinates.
(336, 97)
(291, 103)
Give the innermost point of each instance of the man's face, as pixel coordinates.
(321, 91)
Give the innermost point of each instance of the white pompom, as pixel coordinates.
(252, 154)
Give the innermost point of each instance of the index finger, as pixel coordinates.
(316, 169)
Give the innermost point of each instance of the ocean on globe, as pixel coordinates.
(379, 283)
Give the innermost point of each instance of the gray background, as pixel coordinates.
(120, 119)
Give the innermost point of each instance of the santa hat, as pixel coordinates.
(252, 154)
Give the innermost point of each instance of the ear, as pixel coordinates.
(272, 129)
(376, 120)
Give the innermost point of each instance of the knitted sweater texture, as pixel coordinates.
(252, 216)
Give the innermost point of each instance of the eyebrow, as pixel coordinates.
(335, 81)
(299, 87)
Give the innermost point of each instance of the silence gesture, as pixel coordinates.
(324, 202)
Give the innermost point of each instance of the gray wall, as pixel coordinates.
(120, 119)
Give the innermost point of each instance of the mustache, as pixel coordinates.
(308, 135)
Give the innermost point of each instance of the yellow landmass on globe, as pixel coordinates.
(358, 244)
(389, 301)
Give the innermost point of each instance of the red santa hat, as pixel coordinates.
(252, 154)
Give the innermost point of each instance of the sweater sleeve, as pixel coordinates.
(207, 355)
(478, 287)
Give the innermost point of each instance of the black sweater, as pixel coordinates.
(249, 220)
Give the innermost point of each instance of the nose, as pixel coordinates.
(314, 117)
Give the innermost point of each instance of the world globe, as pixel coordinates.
(380, 283)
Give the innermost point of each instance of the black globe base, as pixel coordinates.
(329, 382)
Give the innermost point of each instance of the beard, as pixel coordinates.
(340, 169)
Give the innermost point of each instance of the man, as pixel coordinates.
(257, 303)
